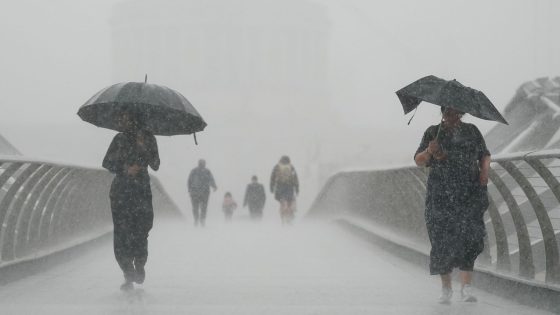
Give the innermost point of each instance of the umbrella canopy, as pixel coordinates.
(452, 94)
(159, 109)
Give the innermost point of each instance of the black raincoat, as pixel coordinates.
(131, 197)
(455, 199)
(255, 198)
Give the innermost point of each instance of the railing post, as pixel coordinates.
(32, 192)
(503, 261)
(526, 266)
(9, 214)
(550, 244)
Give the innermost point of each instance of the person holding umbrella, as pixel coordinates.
(459, 162)
(456, 191)
(128, 157)
(139, 111)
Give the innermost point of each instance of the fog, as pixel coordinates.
(317, 85)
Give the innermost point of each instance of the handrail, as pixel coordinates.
(49, 206)
(523, 192)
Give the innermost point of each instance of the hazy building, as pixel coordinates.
(257, 70)
(264, 57)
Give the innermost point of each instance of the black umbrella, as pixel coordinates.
(159, 109)
(452, 94)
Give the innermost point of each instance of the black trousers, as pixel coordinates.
(199, 206)
(133, 218)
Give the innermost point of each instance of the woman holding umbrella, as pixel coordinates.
(138, 111)
(456, 198)
(128, 157)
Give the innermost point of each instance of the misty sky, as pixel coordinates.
(57, 53)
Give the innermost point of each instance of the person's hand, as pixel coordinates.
(435, 150)
(483, 178)
(133, 169)
(440, 155)
(433, 147)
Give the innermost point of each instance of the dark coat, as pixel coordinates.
(131, 197)
(199, 182)
(455, 200)
(255, 196)
(131, 191)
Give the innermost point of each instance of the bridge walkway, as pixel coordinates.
(244, 268)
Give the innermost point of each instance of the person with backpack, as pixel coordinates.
(199, 183)
(255, 198)
(284, 184)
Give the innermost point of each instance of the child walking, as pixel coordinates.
(228, 206)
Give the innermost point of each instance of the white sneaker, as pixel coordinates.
(467, 295)
(445, 297)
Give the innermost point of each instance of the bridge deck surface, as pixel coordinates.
(244, 268)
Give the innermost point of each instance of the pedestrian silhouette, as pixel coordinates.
(284, 184)
(199, 183)
(456, 198)
(228, 206)
(255, 198)
(128, 157)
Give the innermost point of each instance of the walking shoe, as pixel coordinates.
(140, 275)
(445, 297)
(467, 295)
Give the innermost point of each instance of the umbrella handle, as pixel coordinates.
(438, 130)
(146, 78)
(415, 110)
(195, 142)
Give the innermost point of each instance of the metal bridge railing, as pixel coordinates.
(45, 207)
(523, 219)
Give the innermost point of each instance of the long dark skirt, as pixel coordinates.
(454, 219)
(131, 207)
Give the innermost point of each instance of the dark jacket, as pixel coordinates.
(124, 151)
(131, 195)
(200, 181)
(254, 196)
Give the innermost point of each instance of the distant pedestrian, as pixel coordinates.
(128, 157)
(456, 198)
(255, 198)
(199, 183)
(228, 206)
(284, 184)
